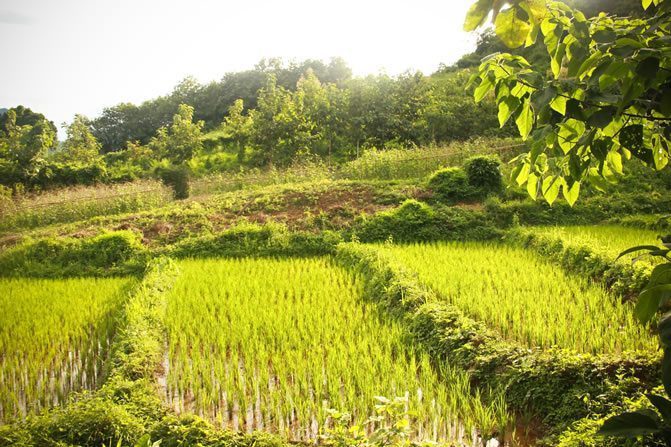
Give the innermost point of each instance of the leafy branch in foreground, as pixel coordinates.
(605, 98)
(652, 300)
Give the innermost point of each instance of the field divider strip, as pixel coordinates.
(139, 348)
(540, 384)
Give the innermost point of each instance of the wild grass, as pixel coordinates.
(79, 203)
(525, 297)
(271, 344)
(54, 338)
(397, 164)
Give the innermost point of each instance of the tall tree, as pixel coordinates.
(181, 141)
(80, 146)
(279, 130)
(237, 127)
(25, 146)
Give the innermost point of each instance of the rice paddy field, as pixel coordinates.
(54, 338)
(610, 240)
(271, 344)
(524, 297)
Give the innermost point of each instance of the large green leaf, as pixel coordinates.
(522, 174)
(649, 301)
(571, 192)
(558, 104)
(590, 63)
(532, 186)
(600, 148)
(525, 120)
(569, 133)
(631, 138)
(665, 103)
(666, 370)
(511, 29)
(614, 160)
(637, 248)
(602, 117)
(551, 187)
(664, 330)
(506, 108)
(661, 274)
(481, 90)
(630, 425)
(535, 9)
(648, 68)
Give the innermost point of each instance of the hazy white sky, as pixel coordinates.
(79, 56)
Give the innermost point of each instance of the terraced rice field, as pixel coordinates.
(610, 240)
(54, 338)
(525, 297)
(270, 344)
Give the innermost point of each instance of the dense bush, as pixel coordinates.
(178, 178)
(417, 221)
(451, 184)
(112, 253)
(480, 177)
(54, 174)
(590, 210)
(484, 174)
(256, 240)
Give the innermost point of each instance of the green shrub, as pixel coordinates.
(480, 177)
(178, 178)
(112, 253)
(257, 240)
(593, 209)
(92, 420)
(451, 184)
(484, 175)
(417, 221)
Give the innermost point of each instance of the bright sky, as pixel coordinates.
(79, 56)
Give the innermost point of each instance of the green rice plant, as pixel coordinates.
(54, 338)
(609, 240)
(273, 344)
(525, 297)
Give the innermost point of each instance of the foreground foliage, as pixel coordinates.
(607, 97)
